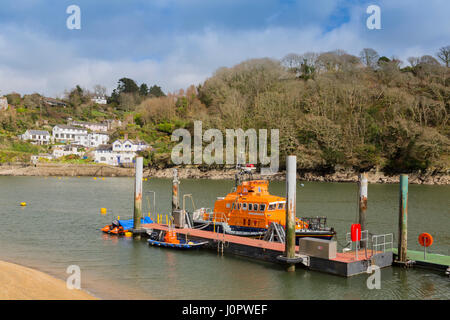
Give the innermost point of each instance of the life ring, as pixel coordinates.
(425, 239)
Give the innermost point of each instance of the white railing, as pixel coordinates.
(381, 242)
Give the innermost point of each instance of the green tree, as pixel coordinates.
(127, 85)
(143, 90)
(155, 91)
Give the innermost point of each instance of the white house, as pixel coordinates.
(96, 127)
(78, 135)
(36, 136)
(63, 133)
(61, 151)
(121, 152)
(129, 146)
(35, 158)
(91, 140)
(99, 100)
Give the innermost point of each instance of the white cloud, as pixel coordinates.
(34, 62)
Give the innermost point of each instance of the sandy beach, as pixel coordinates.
(21, 283)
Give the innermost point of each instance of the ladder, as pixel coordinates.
(275, 233)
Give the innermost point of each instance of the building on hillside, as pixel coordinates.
(35, 158)
(92, 140)
(61, 151)
(3, 103)
(96, 127)
(36, 136)
(127, 145)
(99, 100)
(112, 124)
(64, 133)
(54, 102)
(120, 153)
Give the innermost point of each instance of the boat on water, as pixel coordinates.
(169, 239)
(250, 210)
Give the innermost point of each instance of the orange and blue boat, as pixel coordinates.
(250, 209)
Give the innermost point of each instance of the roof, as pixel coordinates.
(54, 101)
(64, 126)
(39, 132)
(104, 147)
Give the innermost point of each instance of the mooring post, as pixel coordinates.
(363, 186)
(138, 197)
(403, 219)
(175, 187)
(291, 190)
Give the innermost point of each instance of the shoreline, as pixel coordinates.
(93, 170)
(23, 283)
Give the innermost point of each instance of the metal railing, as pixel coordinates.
(382, 241)
(364, 238)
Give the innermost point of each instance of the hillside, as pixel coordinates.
(333, 110)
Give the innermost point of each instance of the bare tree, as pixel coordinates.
(426, 59)
(413, 61)
(444, 55)
(369, 57)
(292, 62)
(99, 90)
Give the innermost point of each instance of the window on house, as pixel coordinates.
(102, 159)
(33, 136)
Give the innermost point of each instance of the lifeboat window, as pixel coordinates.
(280, 205)
(245, 221)
(248, 221)
(244, 206)
(228, 205)
(239, 206)
(262, 207)
(254, 223)
(250, 206)
(272, 206)
(255, 206)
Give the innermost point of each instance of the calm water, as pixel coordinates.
(60, 227)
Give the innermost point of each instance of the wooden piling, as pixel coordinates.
(403, 219)
(138, 197)
(291, 190)
(363, 191)
(175, 188)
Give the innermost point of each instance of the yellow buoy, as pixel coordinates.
(103, 210)
(128, 234)
(95, 178)
(118, 218)
(103, 178)
(23, 204)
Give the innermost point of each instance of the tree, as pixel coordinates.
(99, 90)
(444, 55)
(155, 91)
(426, 59)
(292, 62)
(413, 61)
(127, 85)
(143, 90)
(369, 57)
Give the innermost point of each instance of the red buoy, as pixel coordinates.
(356, 232)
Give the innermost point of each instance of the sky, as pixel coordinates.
(177, 43)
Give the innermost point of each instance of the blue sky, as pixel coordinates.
(175, 43)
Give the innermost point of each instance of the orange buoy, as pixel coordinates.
(425, 239)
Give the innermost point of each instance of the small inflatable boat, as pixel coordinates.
(169, 240)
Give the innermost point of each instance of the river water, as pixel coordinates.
(60, 226)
